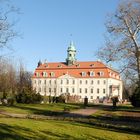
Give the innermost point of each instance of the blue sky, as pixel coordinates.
(46, 27)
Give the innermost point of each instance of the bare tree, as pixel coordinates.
(7, 31)
(7, 78)
(123, 39)
(23, 78)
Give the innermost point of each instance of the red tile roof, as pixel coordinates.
(61, 68)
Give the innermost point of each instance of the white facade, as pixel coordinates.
(92, 88)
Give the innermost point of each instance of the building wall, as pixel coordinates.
(92, 88)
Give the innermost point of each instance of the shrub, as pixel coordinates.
(28, 96)
(135, 98)
(4, 101)
(10, 101)
(61, 99)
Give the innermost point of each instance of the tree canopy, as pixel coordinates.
(122, 43)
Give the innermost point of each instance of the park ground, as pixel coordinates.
(69, 121)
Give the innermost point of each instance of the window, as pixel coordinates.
(80, 90)
(54, 90)
(45, 82)
(54, 81)
(50, 90)
(80, 81)
(104, 82)
(91, 73)
(67, 90)
(35, 81)
(98, 91)
(91, 97)
(39, 89)
(86, 82)
(37, 74)
(92, 65)
(67, 81)
(45, 74)
(85, 90)
(92, 82)
(73, 81)
(60, 66)
(52, 74)
(39, 81)
(61, 90)
(91, 90)
(104, 90)
(44, 89)
(83, 74)
(61, 81)
(50, 81)
(101, 73)
(77, 65)
(73, 90)
(98, 82)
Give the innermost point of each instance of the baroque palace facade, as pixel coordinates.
(92, 80)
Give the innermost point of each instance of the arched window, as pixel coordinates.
(92, 74)
(83, 74)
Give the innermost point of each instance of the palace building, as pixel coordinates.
(91, 79)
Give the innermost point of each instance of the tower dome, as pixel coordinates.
(71, 47)
(71, 53)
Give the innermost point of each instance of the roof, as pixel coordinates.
(76, 70)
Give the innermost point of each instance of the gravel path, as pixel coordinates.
(81, 112)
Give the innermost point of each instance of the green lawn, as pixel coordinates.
(122, 123)
(16, 129)
(41, 109)
(124, 117)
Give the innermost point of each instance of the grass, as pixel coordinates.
(26, 129)
(122, 123)
(123, 117)
(41, 109)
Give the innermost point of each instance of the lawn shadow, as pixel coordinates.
(18, 133)
(38, 111)
(89, 124)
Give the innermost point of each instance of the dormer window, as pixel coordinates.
(52, 74)
(77, 65)
(92, 74)
(92, 65)
(37, 74)
(83, 74)
(45, 74)
(59, 66)
(101, 73)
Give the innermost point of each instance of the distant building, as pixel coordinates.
(92, 79)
